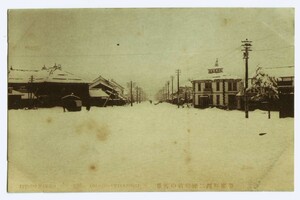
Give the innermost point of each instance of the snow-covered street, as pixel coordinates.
(149, 148)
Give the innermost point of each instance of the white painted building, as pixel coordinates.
(216, 89)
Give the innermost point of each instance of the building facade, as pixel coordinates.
(46, 87)
(114, 92)
(217, 89)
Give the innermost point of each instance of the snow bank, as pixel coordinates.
(148, 148)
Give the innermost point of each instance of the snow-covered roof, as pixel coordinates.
(53, 74)
(97, 93)
(113, 82)
(122, 97)
(216, 73)
(101, 80)
(15, 92)
(57, 75)
(24, 76)
(287, 71)
(217, 76)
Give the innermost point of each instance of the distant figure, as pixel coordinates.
(88, 105)
(150, 101)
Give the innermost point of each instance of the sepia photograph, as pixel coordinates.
(150, 99)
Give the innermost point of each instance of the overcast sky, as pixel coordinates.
(148, 45)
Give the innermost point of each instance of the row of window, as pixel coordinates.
(232, 86)
(231, 100)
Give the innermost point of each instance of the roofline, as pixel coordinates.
(114, 82)
(198, 80)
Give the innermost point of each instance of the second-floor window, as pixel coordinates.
(208, 85)
(199, 86)
(232, 86)
(218, 86)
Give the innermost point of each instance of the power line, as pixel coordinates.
(122, 54)
(273, 49)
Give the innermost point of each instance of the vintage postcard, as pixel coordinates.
(149, 99)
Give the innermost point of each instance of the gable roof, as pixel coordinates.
(100, 80)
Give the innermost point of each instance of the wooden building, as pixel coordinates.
(216, 89)
(115, 92)
(285, 85)
(48, 85)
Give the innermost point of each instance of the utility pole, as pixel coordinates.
(246, 44)
(178, 73)
(30, 95)
(165, 93)
(140, 95)
(172, 78)
(137, 94)
(131, 96)
(168, 83)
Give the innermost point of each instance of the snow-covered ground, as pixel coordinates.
(149, 148)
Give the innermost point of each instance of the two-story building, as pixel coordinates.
(216, 89)
(104, 92)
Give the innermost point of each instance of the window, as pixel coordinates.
(208, 85)
(218, 99)
(229, 86)
(234, 86)
(218, 86)
(199, 86)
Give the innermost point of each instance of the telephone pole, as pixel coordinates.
(168, 83)
(246, 44)
(178, 73)
(137, 94)
(131, 96)
(30, 94)
(172, 78)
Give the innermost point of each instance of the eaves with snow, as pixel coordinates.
(101, 81)
(53, 74)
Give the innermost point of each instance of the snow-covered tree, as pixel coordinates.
(264, 86)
